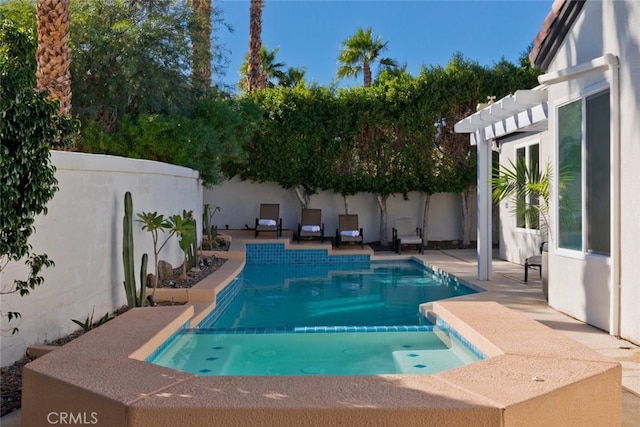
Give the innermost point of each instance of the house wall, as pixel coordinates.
(581, 285)
(240, 205)
(82, 234)
(517, 244)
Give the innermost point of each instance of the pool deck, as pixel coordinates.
(507, 288)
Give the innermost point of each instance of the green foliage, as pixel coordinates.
(207, 218)
(88, 324)
(203, 138)
(155, 223)
(184, 227)
(30, 126)
(295, 143)
(133, 58)
(525, 187)
(18, 45)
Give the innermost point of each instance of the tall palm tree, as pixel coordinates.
(271, 70)
(359, 52)
(53, 55)
(255, 78)
(201, 44)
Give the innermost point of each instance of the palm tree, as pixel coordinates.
(201, 44)
(255, 77)
(271, 70)
(53, 55)
(359, 52)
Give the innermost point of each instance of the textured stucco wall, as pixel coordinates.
(240, 204)
(82, 234)
(581, 285)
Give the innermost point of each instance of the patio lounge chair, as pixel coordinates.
(534, 261)
(311, 226)
(269, 219)
(348, 230)
(405, 232)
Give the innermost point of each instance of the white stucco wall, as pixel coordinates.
(517, 244)
(240, 204)
(581, 285)
(82, 233)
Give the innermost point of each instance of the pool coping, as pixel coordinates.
(533, 375)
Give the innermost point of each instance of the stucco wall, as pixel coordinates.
(517, 244)
(581, 285)
(82, 233)
(240, 205)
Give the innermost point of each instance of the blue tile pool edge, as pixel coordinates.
(452, 333)
(278, 253)
(447, 276)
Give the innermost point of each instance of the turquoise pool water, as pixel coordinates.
(292, 353)
(321, 318)
(372, 294)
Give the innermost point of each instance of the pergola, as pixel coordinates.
(524, 111)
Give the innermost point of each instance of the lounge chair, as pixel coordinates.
(405, 232)
(348, 230)
(269, 219)
(311, 226)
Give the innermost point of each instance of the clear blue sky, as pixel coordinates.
(309, 33)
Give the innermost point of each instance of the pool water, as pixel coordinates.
(322, 319)
(378, 293)
(417, 352)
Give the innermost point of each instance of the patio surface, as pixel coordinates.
(508, 288)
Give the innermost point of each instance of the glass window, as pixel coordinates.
(584, 201)
(598, 144)
(528, 171)
(570, 175)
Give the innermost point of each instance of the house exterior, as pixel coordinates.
(586, 126)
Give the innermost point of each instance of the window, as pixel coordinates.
(584, 194)
(598, 144)
(527, 214)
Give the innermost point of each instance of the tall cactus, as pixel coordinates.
(127, 251)
(133, 300)
(143, 280)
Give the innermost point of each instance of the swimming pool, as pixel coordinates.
(339, 294)
(321, 318)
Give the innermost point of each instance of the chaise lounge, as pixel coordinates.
(405, 232)
(348, 230)
(311, 226)
(269, 220)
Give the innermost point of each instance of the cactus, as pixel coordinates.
(127, 251)
(143, 281)
(133, 300)
(193, 261)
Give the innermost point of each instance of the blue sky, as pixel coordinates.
(309, 33)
